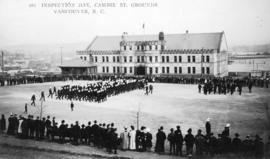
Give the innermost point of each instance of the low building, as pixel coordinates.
(78, 67)
(188, 54)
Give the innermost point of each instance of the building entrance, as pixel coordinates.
(140, 70)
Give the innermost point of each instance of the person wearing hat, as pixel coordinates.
(171, 139)
(148, 139)
(33, 99)
(25, 108)
(77, 132)
(226, 131)
(160, 140)
(208, 127)
(2, 124)
(199, 142)
(50, 92)
(258, 147)
(178, 141)
(236, 144)
(132, 138)
(71, 105)
(189, 139)
(124, 139)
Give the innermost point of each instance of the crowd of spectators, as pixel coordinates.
(105, 136)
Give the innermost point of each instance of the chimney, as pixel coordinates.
(161, 36)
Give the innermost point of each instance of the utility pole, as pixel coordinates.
(2, 61)
(138, 118)
(61, 55)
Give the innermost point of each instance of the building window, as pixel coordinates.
(150, 47)
(130, 47)
(188, 58)
(156, 69)
(203, 71)
(175, 69)
(130, 69)
(142, 47)
(142, 58)
(118, 69)
(150, 70)
(193, 59)
(138, 58)
(202, 58)
(188, 70)
(125, 59)
(180, 69)
(96, 58)
(175, 58)
(156, 47)
(125, 69)
(180, 58)
(125, 47)
(138, 47)
(107, 69)
(103, 59)
(113, 69)
(163, 59)
(118, 59)
(130, 58)
(85, 58)
(107, 58)
(113, 58)
(103, 69)
(81, 57)
(207, 70)
(150, 59)
(168, 59)
(193, 70)
(162, 47)
(168, 69)
(156, 58)
(207, 58)
(163, 69)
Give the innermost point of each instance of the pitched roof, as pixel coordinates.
(76, 63)
(173, 41)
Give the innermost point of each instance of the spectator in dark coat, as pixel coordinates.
(148, 139)
(208, 127)
(199, 142)
(2, 124)
(236, 144)
(189, 139)
(258, 147)
(161, 137)
(178, 140)
(171, 139)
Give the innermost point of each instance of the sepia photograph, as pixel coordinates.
(134, 79)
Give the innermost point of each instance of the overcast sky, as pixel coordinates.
(244, 21)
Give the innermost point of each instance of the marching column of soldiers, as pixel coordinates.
(100, 91)
(102, 135)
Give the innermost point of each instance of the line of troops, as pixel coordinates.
(104, 135)
(8, 81)
(93, 92)
(100, 91)
(224, 86)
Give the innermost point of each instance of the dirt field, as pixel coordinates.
(168, 106)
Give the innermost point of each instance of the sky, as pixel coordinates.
(245, 22)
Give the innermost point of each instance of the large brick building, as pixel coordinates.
(188, 54)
